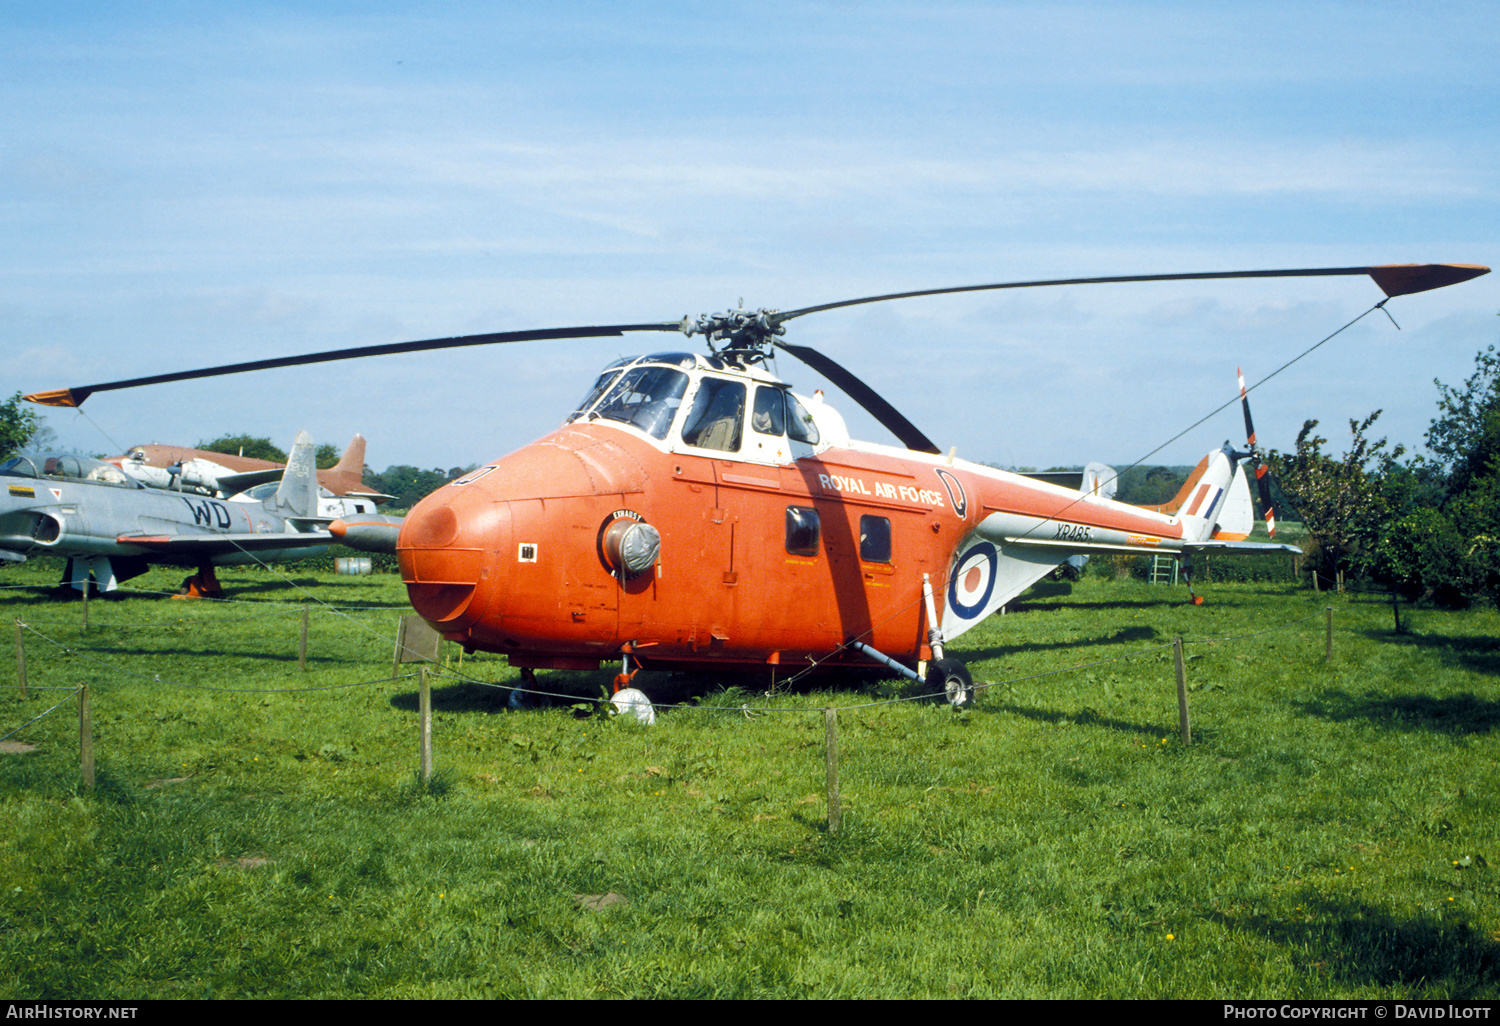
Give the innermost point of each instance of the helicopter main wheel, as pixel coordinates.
(948, 680)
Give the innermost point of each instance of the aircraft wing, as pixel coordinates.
(1247, 548)
(376, 497)
(233, 484)
(1080, 547)
(215, 544)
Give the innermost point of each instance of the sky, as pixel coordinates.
(188, 185)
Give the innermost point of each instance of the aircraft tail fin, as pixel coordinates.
(1099, 480)
(347, 476)
(1174, 504)
(353, 459)
(298, 494)
(1208, 504)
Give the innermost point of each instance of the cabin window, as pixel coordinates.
(716, 420)
(801, 531)
(875, 539)
(800, 423)
(769, 415)
(647, 397)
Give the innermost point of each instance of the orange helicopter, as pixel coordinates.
(693, 512)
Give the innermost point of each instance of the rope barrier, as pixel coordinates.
(59, 705)
(744, 708)
(157, 678)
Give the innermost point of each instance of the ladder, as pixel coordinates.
(1163, 569)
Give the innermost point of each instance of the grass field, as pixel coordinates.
(259, 831)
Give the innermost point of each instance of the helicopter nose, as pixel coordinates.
(441, 551)
(460, 548)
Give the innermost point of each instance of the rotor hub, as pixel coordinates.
(747, 335)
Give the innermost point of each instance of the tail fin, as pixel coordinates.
(1100, 481)
(1211, 497)
(1202, 501)
(1236, 517)
(353, 459)
(347, 476)
(298, 494)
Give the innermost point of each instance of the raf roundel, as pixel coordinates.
(973, 581)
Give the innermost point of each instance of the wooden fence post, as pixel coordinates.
(424, 707)
(20, 658)
(85, 738)
(831, 758)
(1182, 699)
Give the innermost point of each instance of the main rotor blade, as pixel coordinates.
(866, 396)
(1393, 279)
(76, 395)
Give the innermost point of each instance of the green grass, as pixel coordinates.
(1328, 834)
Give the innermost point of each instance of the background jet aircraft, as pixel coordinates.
(224, 474)
(111, 528)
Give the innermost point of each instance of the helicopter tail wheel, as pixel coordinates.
(949, 680)
(633, 702)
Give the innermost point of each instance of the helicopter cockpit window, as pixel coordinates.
(605, 380)
(687, 361)
(802, 531)
(799, 422)
(647, 397)
(769, 415)
(716, 420)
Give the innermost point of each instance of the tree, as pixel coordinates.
(1422, 553)
(1150, 486)
(1446, 543)
(409, 485)
(245, 445)
(250, 446)
(1466, 425)
(1343, 501)
(19, 426)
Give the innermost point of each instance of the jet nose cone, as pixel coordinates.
(372, 532)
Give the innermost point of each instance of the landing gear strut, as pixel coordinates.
(203, 584)
(522, 697)
(949, 679)
(1187, 578)
(630, 700)
(946, 678)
